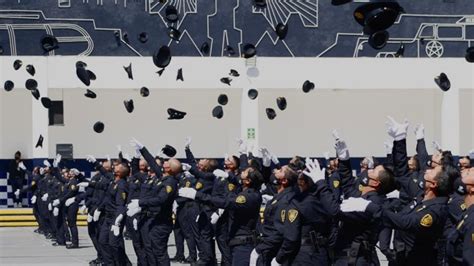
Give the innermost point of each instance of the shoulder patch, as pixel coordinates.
(292, 214)
(124, 195)
(33, 183)
(282, 215)
(241, 199)
(426, 220)
(472, 237)
(361, 187)
(230, 187)
(73, 187)
(463, 206)
(188, 184)
(335, 183)
(169, 189)
(198, 185)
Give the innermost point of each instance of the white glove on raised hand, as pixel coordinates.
(393, 195)
(187, 142)
(354, 205)
(266, 198)
(33, 199)
(435, 145)
(57, 160)
(114, 228)
(96, 215)
(127, 157)
(44, 197)
(341, 150)
(275, 160)
(335, 135)
(83, 209)
(83, 184)
(89, 218)
(91, 159)
(17, 193)
(242, 146)
(266, 157)
(135, 224)
(46, 163)
(42, 171)
(388, 145)
(214, 218)
(220, 173)
(56, 202)
(22, 166)
(175, 207)
(108, 158)
(55, 211)
(69, 201)
(75, 172)
(419, 131)
(118, 220)
(253, 258)
(370, 162)
(313, 170)
(471, 154)
(133, 210)
(136, 144)
(326, 156)
(187, 192)
(185, 167)
(138, 154)
(397, 131)
(50, 207)
(187, 174)
(274, 262)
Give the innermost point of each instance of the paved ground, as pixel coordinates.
(21, 246)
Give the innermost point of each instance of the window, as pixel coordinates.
(56, 113)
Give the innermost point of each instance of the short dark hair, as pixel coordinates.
(445, 179)
(417, 162)
(255, 163)
(291, 175)
(447, 158)
(213, 164)
(255, 177)
(298, 163)
(386, 179)
(126, 168)
(236, 161)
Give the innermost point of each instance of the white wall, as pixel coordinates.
(352, 95)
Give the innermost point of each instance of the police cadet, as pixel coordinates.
(280, 237)
(243, 209)
(33, 188)
(54, 191)
(158, 207)
(420, 224)
(201, 224)
(71, 205)
(461, 240)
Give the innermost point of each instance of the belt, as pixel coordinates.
(242, 240)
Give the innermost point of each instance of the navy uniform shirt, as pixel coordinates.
(70, 189)
(160, 202)
(461, 242)
(115, 199)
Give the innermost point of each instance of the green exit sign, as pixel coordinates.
(250, 133)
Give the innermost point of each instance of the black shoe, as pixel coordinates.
(36, 230)
(56, 244)
(177, 258)
(189, 260)
(49, 236)
(71, 246)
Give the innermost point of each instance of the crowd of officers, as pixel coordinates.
(416, 211)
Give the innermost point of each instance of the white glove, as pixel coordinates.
(46, 163)
(83, 209)
(436, 146)
(56, 202)
(127, 157)
(133, 210)
(388, 145)
(341, 150)
(175, 207)
(57, 160)
(266, 157)
(220, 173)
(96, 215)
(41, 171)
(108, 158)
(266, 198)
(83, 184)
(242, 146)
(187, 174)
(253, 258)
(50, 207)
(75, 172)
(91, 159)
(275, 160)
(187, 192)
(55, 211)
(118, 220)
(419, 131)
(370, 162)
(70, 201)
(275, 263)
(393, 195)
(326, 156)
(335, 135)
(135, 144)
(313, 170)
(119, 148)
(89, 218)
(138, 154)
(22, 166)
(115, 229)
(187, 142)
(135, 224)
(33, 199)
(396, 130)
(44, 197)
(214, 218)
(185, 167)
(17, 193)
(471, 154)
(354, 205)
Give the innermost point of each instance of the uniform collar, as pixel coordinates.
(435, 201)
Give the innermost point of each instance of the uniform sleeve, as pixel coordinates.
(416, 222)
(423, 156)
(72, 191)
(165, 193)
(348, 184)
(291, 235)
(120, 198)
(151, 162)
(468, 244)
(134, 165)
(326, 197)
